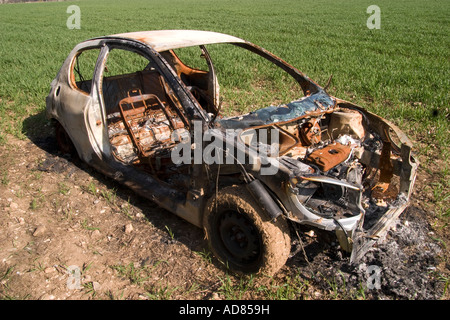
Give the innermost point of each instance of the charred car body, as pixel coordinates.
(339, 168)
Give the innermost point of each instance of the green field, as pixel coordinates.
(401, 71)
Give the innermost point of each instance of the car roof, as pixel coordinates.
(163, 40)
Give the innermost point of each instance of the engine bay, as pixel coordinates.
(331, 156)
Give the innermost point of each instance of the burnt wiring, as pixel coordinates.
(302, 248)
(77, 70)
(244, 172)
(343, 229)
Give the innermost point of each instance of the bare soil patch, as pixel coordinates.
(67, 232)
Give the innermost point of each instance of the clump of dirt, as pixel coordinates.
(67, 232)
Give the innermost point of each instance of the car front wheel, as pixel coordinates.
(240, 237)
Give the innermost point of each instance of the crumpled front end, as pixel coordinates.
(346, 170)
(356, 181)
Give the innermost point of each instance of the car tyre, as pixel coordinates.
(244, 240)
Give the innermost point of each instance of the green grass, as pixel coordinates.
(86, 225)
(63, 188)
(136, 275)
(401, 71)
(109, 195)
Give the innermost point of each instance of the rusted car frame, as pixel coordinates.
(340, 168)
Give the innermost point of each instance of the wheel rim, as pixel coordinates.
(239, 238)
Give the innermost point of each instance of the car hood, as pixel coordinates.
(319, 101)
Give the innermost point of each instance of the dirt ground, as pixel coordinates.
(67, 232)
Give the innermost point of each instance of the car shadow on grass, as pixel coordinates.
(40, 131)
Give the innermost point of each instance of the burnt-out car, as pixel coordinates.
(132, 108)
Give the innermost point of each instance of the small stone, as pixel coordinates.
(21, 220)
(13, 205)
(95, 234)
(140, 215)
(49, 270)
(215, 296)
(39, 231)
(96, 286)
(128, 228)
